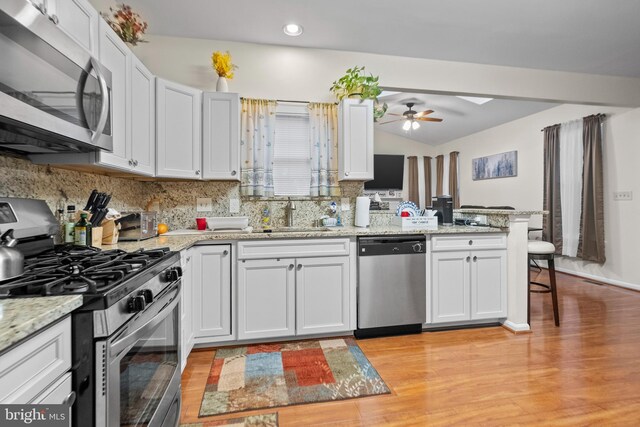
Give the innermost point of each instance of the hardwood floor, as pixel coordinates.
(586, 372)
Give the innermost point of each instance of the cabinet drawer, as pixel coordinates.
(27, 370)
(468, 241)
(58, 393)
(260, 249)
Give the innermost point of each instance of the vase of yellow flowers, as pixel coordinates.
(223, 66)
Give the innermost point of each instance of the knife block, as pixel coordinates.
(110, 232)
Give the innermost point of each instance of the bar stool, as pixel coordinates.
(544, 250)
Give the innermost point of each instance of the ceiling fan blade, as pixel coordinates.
(428, 119)
(395, 114)
(390, 121)
(423, 113)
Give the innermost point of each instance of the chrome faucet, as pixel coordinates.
(291, 206)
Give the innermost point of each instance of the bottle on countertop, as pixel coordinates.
(266, 218)
(82, 231)
(70, 224)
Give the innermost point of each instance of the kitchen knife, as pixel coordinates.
(92, 199)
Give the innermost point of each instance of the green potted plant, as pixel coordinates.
(355, 83)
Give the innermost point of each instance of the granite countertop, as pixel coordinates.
(499, 212)
(180, 242)
(22, 317)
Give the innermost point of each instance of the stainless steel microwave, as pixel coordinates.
(54, 96)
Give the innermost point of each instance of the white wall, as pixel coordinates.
(621, 154)
(306, 74)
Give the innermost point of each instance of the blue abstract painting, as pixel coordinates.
(496, 166)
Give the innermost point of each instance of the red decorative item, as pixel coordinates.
(201, 223)
(404, 214)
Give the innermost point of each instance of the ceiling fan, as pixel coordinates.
(412, 117)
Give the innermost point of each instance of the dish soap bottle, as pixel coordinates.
(82, 231)
(266, 218)
(70, 224)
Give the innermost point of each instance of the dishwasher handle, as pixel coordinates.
(391, 247)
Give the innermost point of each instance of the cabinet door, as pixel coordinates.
(322, 295)
(57, 394)
(179, 114)
(187, 334)
(266, 298)
(211, 290)
(355, 140)
(79, 20)
(221, 136)
(143, 119)
(488, 284)
(115, 55)
(450, 286)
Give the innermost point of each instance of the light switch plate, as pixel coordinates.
(204, 204)
(623, 195)
(344, 204)
(234, 205)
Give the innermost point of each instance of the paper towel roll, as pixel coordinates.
(362, 211)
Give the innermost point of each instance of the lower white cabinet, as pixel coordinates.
(211, 297)
(186, 311)
(60, 392)
(468, 284)
(293, 296)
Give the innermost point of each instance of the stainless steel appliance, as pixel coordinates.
(391, 285)
(138, 226)
(11, 259)
(126, 335)
(54, 96)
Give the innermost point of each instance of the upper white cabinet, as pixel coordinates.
(355, 140)
(142, 119)
(469, 277)
(221, 136)
(178, 118)
(78, 19)
(211, 291)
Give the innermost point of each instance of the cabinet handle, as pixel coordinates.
(470, 242)
(130, 162)
(299, 267)
(346, 174)
(290, 266)
(188, 259)
(135, 163)
(198, 172)
(475, 258)
(233, 173)
(225, 252)
(468, 258)
(70, 399)
(54, 19)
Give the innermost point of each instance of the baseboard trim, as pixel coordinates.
(614, 282)
(516, 328)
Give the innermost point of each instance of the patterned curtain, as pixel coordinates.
(257, 136)
(323, 127)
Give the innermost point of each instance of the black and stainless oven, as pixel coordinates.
(54, 96)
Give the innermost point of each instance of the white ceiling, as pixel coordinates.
(460, 117)
(588, 36)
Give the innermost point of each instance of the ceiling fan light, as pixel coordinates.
(415, 125)
(406, 125)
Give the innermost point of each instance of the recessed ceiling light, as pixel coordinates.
(476, 99)
(292, 29)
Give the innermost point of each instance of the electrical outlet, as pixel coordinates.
(234, 205)
(344, 204)
(204, 204)
(623, 195)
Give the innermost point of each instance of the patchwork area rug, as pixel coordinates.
(262, 420)
(270, 375)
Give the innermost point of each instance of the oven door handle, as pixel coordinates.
(167, 303)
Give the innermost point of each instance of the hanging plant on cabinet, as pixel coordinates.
(356, 84)
(126, 23)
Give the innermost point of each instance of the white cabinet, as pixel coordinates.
(178, 119)
(115, 55)
(211, 299)
(221, 136)
(322, 295)
(468, 284)
(28, 370)
(142, 118)
(187, 333)
(266, 298)
(355, 140)
(60, 392)
(78, 19)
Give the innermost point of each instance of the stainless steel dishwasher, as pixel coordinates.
(392, 285)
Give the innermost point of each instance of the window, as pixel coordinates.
(291, 154)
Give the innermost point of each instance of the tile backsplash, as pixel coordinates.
(177, 199)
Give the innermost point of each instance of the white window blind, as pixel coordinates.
(291, 154)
